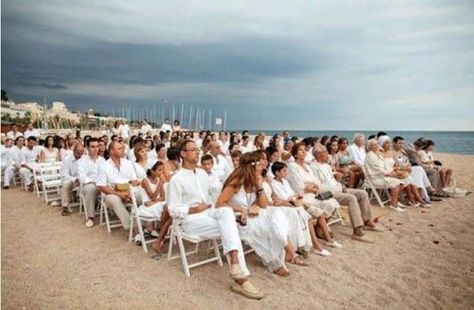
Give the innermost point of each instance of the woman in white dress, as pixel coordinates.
(264, 229)
(381, 177)
(427, 158)
(49, 154)
(418, 175)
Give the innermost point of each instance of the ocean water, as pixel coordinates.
(455, 142)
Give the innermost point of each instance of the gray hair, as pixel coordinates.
(358, 135)
(318, 148)
(372, 141)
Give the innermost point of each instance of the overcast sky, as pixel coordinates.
(395, 65)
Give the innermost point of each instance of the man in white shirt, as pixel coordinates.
(29, 156)
(202, 135)
(215, 185)
(188, 199)
(87, 169)
(166, 126)
(70, 177)
(15, 159)
(124, 131)
(221, 165)
(224, 142)
(146, 128)
(31, 132)
(357, 149)
(245, 145)
(117, 170)
(14, 133)
(6, 153)
(357, 200)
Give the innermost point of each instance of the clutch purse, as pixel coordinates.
(122, 187)
(324, 196)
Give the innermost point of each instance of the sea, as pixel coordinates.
(454, 142)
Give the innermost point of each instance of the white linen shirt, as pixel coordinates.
(28, 156)
(108, 174)
(31, 133)
(69, 168)
(323, 172)
(13, 135)
(187, 188)
(282, 189)
(88, 169)
(358, 154)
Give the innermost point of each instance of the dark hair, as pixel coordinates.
(334, 138)
(236, 153)
(90, 140)
(46, 143)
(206, 157)
(153, 168)
(324, 139)
(19, 137)
(427, 144)
(173, 152)
(159, 146)
(308, 141)
(371, 137)
(278, 166)
(341, 140)
(397, 138)
(134, 140)
(295, 148)
(32, 138)
(271, 150)
(176, 122)
(381, 133)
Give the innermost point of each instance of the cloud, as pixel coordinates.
(297, 64)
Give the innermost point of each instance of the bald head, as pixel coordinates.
(78, 150)
(214, 148)
(116, 149)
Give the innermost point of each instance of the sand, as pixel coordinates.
(54, 262)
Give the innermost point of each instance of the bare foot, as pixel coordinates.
(282, 272)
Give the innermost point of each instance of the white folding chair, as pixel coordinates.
(104, 215)
(373, 190)
(336, 218)
(136, 218)
(50, 180)
(178, 236)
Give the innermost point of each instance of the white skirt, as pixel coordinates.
(298, 218)
(267, 234)
(155, 210)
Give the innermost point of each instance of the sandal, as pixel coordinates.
(282, 272)
(296, 260)
(65, 212)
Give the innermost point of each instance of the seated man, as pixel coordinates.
(14, 133)
(87, 169)
(117, 173)
(29, 156)
(356, 199)
(31, 132)
(220, 165)
(70, 177)
(189, 200)
(14, 157)
(357, 149)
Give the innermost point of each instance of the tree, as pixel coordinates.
(4, 96)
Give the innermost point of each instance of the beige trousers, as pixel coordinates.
(115, 203)
(66, 190)
(359, 205)
(89, 191)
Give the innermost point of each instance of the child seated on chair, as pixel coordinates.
(154, 204)
(215, 186)
(282, 189)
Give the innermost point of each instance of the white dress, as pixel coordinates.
(50, 156)
(297, 177)
(266, 233)
(298, 219)
(156, 209)
(390, 164)
(377, 168)
(418, 175)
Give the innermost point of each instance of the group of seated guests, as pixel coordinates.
(277, 197)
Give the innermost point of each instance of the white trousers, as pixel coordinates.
(217, 223)
(26, 176)
(8, 175)
(89, 191)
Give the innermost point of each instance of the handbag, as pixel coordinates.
(324, 195)
(122, 187)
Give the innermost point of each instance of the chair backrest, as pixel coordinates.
(50, 171)
(133, 195)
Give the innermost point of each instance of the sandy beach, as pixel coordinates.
(423, 261)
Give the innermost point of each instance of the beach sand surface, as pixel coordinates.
(425, 260)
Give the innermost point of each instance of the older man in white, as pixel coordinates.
(357, 149)
(117, 171)
(356, 199)
(221, 165)
(189, 199)
(29, 156)
(87, 170)
(15, 158)
(31, 132)
(70, 177)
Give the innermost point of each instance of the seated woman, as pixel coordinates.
(347, 164)
(418, 176)
(264, 229)
(49, 154)
(427, 158)
(334, 160)
(303, 181)
(381, 177)
(414, 197)
(172, 164)
(297, 218)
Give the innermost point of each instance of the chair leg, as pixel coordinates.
(101, 213)
(172, 241)
(130, 233)
(107, 221)
(142, 234)
(218, 254)
(184, 259)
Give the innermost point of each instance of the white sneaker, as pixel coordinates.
(415, 205)
(323, 252)
(401, 205)
(334, 244)
(90, 223)
(397, 208)
(425, 205)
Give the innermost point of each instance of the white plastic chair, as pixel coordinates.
(178, 236)
(136, 218)
(373, 190)
(50, 180)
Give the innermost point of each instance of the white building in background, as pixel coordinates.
(60, 109)
(12, 109)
